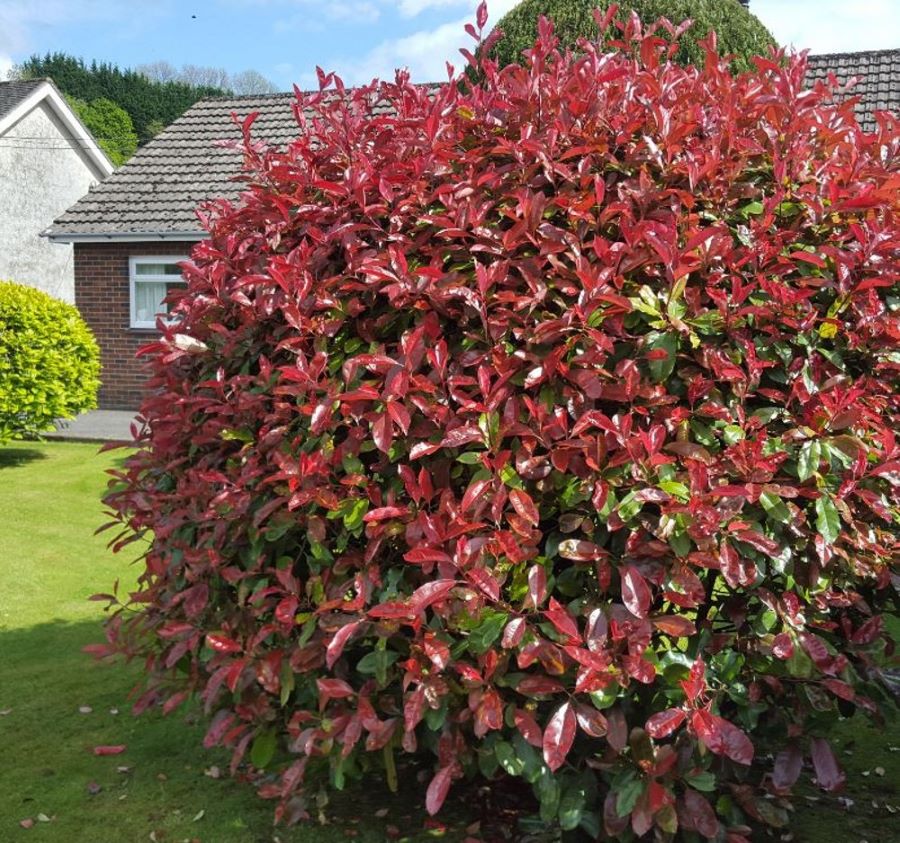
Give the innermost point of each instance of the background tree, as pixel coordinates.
(110, 125)
(147, 102)
(738, 31)
(251, 82)
(49, 362)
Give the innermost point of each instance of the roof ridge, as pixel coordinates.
(887, 50)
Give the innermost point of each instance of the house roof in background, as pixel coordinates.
(16, 92)
(19, 98)
(157, 191)
(155, 194)
(878, 85)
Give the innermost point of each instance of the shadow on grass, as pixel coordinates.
(59, 704)
(16, 457)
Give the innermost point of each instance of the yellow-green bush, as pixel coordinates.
(49, 361)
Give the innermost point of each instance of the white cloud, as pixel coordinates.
(411, 8)
(425, 53)
(832, 26)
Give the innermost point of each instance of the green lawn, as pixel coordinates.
(50, 563)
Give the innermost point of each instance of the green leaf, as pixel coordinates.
(775, 507)
(571, 806)
(828, 522)
(628, 796)
(487, 632)
(548, 792)
(263, 750)
(810, 456)
(661, 369)
(704, 781)
(508, 759)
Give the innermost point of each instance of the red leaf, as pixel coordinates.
(485, 582)
(695, 684)
(537, 585)
(591, 721)
(383, 433)
(580, 551)
(385, 513)
(532, 686)
(675, 625)
(783, 646)
(699, 814)
(431, 592)
(527, 725)
(332, 689)
(562, 621)
(437, 790)
(663, 723)
(513, 633)
(559, 736)
(635, 592)
(481, 16)
(336, 645)
(109, 750)
(828, 772)
(722, 737)
(524, 506)
(473, 493)
(222, 644)
(436, 650)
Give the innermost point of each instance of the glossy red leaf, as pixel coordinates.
(512, 633)
(722, 737)
(524, 506)
(663, 723)
(222, 643)
(635, 592)
(537, 585)
(528, 727)
(559, 736)
(430, 593)
(339, 641)
(698, 814)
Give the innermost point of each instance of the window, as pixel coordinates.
(151, 280)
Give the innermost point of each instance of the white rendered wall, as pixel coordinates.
(41, 175)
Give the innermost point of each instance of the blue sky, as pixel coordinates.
(286, 39)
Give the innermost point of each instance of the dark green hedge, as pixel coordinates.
(739, 32)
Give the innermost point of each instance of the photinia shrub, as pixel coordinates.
(541, 427)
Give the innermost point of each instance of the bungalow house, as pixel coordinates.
(131, 230)
(48, 160)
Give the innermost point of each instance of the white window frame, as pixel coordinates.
(134, 278)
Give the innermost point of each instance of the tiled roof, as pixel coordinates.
(157, 191)
(12, 93)
(878, 85)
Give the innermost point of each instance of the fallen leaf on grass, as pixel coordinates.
(93, 788)
(879, 771)
(27, 823)
(162, 777)
(84, 709)
(43, 818)
(118, 749)
(5, 711)
(381, 812)
(114, 711)
(199, 816)
(123, 769)
(213, 772)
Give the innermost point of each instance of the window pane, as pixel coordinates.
(147, 268)
(148, 296)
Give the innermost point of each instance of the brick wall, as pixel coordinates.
(102, 296)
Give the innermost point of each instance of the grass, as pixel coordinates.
(50, 563)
